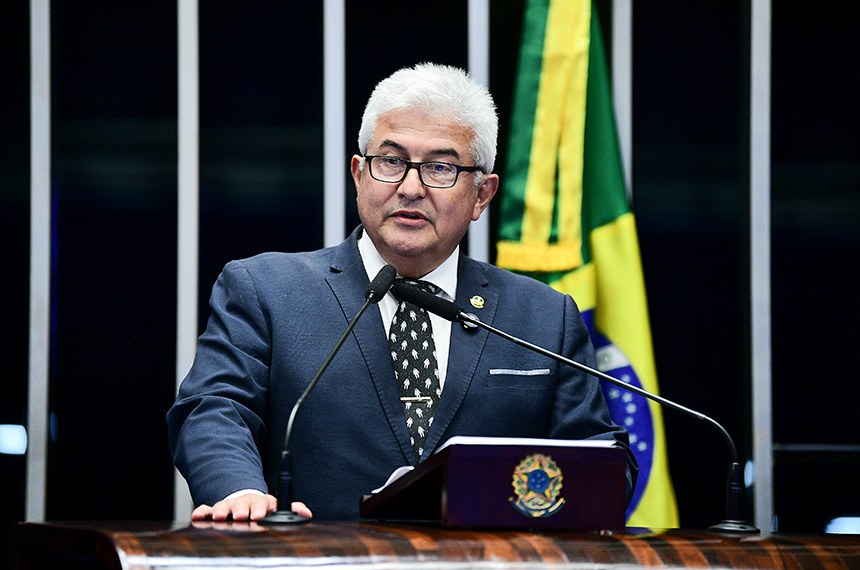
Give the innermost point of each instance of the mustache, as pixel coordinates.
(409, 212)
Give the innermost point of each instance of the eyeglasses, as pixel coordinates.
(393, 169)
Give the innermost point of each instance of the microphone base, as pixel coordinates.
(729, 526)
(283, 518)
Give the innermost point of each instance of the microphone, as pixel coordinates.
(732, 523)
(284, 515)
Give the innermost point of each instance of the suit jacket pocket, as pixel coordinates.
(527, 378)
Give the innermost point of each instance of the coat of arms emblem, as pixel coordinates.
(537, 485)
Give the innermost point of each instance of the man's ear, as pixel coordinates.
(355, 167)
(486, 190)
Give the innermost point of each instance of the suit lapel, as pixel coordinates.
(348, 281)
(466, 347)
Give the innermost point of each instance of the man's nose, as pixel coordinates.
(411, 186)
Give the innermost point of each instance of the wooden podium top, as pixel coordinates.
(377, 545)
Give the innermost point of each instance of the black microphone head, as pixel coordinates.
(380, 284)
(414, 294)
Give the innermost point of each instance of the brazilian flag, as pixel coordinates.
(565, 220)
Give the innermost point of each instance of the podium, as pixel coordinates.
(512, 483)
(350, 545)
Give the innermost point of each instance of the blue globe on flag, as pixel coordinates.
(626, 408)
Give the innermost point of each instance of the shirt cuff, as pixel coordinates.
(241, 492)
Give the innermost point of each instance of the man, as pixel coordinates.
(428, 144)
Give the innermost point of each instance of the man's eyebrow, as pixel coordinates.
(436, 153)
(390, 144)
(445, 152)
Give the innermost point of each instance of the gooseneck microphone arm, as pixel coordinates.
(452, 312)
(284, 515)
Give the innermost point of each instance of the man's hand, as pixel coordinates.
(247, 507)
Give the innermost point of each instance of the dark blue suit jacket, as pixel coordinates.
(274, 319)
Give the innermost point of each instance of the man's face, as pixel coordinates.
(415, 228)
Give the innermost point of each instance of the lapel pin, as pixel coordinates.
(477, 301)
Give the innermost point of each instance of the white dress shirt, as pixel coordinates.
(444, 277)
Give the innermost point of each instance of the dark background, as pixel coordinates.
(114, 219)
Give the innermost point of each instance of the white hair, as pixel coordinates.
(443, 91)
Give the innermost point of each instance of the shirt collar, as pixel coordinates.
(444, 276)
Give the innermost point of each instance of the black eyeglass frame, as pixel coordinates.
(417, 166)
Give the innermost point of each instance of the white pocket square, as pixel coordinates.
(514, 372)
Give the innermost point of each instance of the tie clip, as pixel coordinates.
(409, 399)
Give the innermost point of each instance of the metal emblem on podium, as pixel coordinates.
(537, 485)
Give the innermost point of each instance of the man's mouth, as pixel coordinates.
(410, 215)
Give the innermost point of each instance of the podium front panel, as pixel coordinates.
(574, 488)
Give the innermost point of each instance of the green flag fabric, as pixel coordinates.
(565, 220)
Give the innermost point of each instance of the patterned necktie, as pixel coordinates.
(415, 366)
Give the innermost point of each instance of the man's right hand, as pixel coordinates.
(246, 507)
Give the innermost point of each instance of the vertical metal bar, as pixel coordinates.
(334, 120)
(622, 81)
(760, 248)
(40, 256)
(479, 69)
(188, 157)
